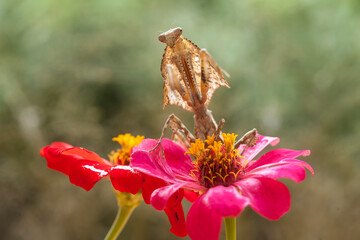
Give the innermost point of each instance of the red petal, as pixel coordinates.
(150, 184)
(173, 207)
(191, 196)
(84, 154)
(55, 160)
(84, 168)
(86, 174)
(175, 213)
(126, 179)
(57, 145)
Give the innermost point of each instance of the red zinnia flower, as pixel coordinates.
(227, 179)
(86, 168)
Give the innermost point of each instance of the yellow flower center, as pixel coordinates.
(127, 142)
(216, 162)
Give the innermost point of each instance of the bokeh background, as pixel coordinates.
(84, 71)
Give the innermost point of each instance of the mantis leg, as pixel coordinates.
(180, 132)
(249, 139)
(217, 133)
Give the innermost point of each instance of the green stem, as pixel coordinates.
(230, 228)
(120, 221)
(127, 203)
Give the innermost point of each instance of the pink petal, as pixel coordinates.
(161, 196)
(151, 163)
(276, 156)
(299, 163)
(294, 172)
(226, 201)
(268, 197)
(193, 186)
(174, 166)
(126, 179)
(145, 145)
(176, 158)
(288, 162)
(86, 173)
(202, 222)
(261, 143)
(174, 153)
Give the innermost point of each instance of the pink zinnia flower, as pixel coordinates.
(226, 179)
(86, 168)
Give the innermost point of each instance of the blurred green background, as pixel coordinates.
(85, 71)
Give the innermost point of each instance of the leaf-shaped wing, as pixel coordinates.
(190, 75)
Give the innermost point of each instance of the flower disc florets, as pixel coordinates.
(216, 162)
(127, 142)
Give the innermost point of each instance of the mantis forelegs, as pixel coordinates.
(180, 132)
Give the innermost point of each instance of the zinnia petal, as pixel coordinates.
(54, 158)
(84, 168)
(56, 145)
(191, 196)
(278, 155)
(151, 163)
(175, 156)
(84, 154)
(150, 184)
(177, 220)
(261, 143)
(175, 213)
(161, 196)
(86, 174)
(172, 205)
(126, 179)
(293, 172)
(201, 222)
(226, 201)
(268, 197)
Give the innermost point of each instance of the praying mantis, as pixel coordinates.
(191, 77)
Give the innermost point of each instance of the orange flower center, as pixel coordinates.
(127, 142)
(217, 163)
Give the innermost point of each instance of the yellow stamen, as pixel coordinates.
(127, 142)
(216, 162)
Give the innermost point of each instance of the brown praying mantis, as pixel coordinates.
(191, 77)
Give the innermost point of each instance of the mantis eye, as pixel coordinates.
(162, 38)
